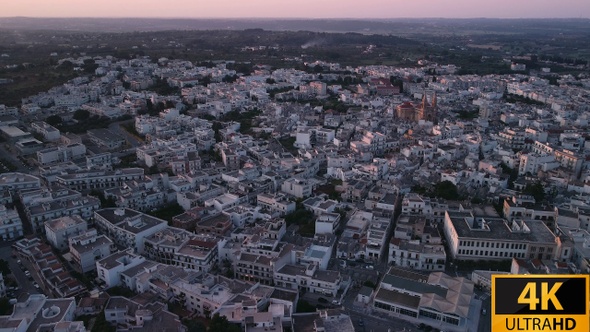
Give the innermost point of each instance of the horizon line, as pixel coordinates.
(297, 18)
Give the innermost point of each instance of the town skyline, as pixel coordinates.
(258, 9)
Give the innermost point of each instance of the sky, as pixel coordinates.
(298, 8)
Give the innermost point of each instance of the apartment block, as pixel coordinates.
(11, 227)
(178, 247)
(87, 248)
(127, 228)
(59, 230)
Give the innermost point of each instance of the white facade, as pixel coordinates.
(126, 227)
(11, 227)
(109, 268)
(59, 230)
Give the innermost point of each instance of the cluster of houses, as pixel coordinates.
(356, 172)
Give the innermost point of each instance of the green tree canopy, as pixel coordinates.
(81, 115)
(54, 120)
(537, 190)
(446, 190)
(221, 324)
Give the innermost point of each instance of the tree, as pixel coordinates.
(81, 115)
(194, 326)
(304, 306)
(53, 120)
(446, 190)
(5, 307)
(89, 66)
(221, 324)
(537, 190)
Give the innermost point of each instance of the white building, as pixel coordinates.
(127, 228)
(327, 223)
(87, 248)
(11, 227)
(309, 278)
(297, 187)
(175, 246)
(61, 154)
(109, 268)
(49, 132)
(59, 230)
(476, 238)
(277, 204)
(416, 255)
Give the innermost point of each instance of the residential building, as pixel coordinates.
(39, 313)
(99, 179)
(128, 315)
(435, 299)
(109, 269)
(178, 247)
(48, 132)
(127, 228)
(61, 154)
(87, 248)
(276, 204)
(59, 230)
(309, 278)
(297, 187)
(11, 227)
(416, 255)
(327, 223)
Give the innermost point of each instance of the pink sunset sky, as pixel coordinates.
(299, 8)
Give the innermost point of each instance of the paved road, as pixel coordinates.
(25, 285)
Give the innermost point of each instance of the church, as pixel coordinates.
(414, 112)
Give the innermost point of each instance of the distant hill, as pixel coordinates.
(366, 26)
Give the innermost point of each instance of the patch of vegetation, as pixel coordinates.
(304, 306)
(221, 324)
(513, 173)
(510, 98)
(243, 118)
(93, 122)
(446, 190)
(537, 190)
(330, 189)
(82, 278)
(101, 324)
(287, 143)
(304, 219)
(4, 267)
(104, 202)
(369, 284)
(129, 160)
(194, 325)
(5, 306)
(10, 166)
(467, 115)
(166, 213)
(120, 291)
(161, 87)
